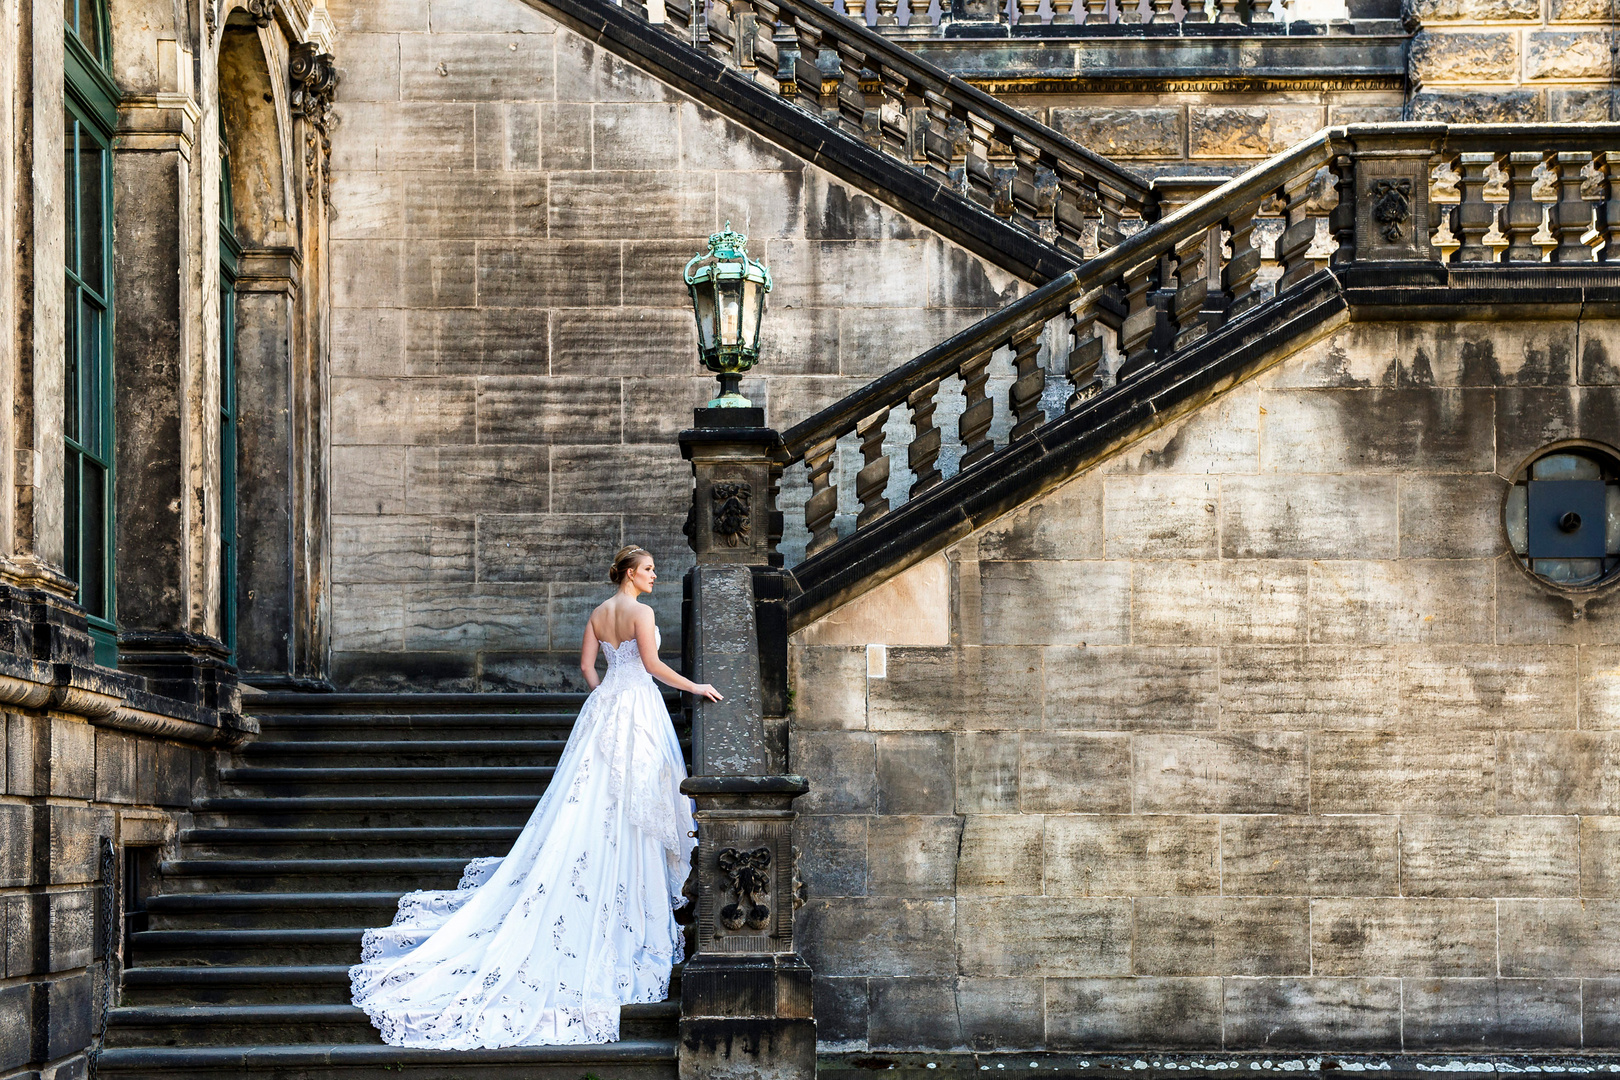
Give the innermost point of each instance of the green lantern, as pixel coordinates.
(728, 297)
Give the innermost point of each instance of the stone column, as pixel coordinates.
(745, 993)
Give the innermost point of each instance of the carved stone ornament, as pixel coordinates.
(1443, 186)
(748, 879)
(314, 78)
(1392, 206)
(210, 10)
(733, 511)
(1544, 182)
(263, 11)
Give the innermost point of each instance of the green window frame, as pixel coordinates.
(90, 112)
(229, 253)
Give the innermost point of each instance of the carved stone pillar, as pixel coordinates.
(745, 993)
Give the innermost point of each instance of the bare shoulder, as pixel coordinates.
(601, 612)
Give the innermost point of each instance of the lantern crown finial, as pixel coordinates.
(727, 257)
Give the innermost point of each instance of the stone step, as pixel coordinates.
(647, 1059)
(273, 783)
(292, 946)
(248, 1025)
(247, 984)
(364, 812)
(323, 727)
(393, 703)
(405, 753)
(297, 875)
(468, 842)
(270, 911)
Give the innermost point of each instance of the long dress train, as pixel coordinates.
(543, 946)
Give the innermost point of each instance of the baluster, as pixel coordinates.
(823, 502)
(1096, 12)
(1003, 172)
(1611, 207)
(774, 518)
(922, 456)
(1192, 286)
(678, 18)
(1029, 382)
(896, 124)
(1063, 13)
(919, 15)
(722, 32)
(1161, 14)
(873, 478)
(1571, 210)
(1264, 12)
(851, 98)
(973, 426)
(888, 16)
(786, 39)
(1474, 213)
(1029, 13)
(1085, 360)
(1128, 12)
(832, 79)
(1544, 198)
(1237, 276)
(1141, 316)
(1306, 198)
(1227, 11)
(916, 113)
(1444, 197)
(1196, 13)
(744, 32)
(870, 82)
(1524, 211)
(636, 7)
(1110, 208)
(856, 10)
(1595, 194)
(1498, 194)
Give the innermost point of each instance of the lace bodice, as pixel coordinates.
(624, 659)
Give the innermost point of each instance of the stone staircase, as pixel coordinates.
(346, 802)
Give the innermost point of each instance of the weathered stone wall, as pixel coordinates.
(67, 786)
(513, 349)
(1512, 61)
(1254, 737)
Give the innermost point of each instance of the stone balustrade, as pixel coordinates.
(1063, 18)
(862, 85)
(1400, 201)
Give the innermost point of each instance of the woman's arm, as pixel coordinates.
(587, 656)
(647, 641)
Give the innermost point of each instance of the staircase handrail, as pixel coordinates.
(1136, 191)
(865, 87)
(1419, 198)
(1038, 307)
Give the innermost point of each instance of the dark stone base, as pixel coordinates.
(1152, 1065)
(747, 1017)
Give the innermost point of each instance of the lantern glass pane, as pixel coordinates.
(703, 301)
(730, 312)
(750, 314)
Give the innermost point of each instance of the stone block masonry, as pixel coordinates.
(513, 351)
(1511, 61)
(1252, 738)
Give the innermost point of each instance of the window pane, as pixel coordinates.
(1565, 467)
(89, 29)
(92, 196)
(92, 378)
(70, 14)
(92, 577)
(71, 544)
(70, 185)
(70, 366)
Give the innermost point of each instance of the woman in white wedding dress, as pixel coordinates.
(543, 946)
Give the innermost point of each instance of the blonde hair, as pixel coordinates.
(625, 561)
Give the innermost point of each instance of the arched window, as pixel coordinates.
(90, 112)
(229, 252)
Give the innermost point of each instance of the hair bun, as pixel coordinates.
(625, 560)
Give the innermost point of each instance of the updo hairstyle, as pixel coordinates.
(625, 561)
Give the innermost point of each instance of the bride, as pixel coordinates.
(543, 946)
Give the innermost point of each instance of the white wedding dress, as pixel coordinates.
(543, 946)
